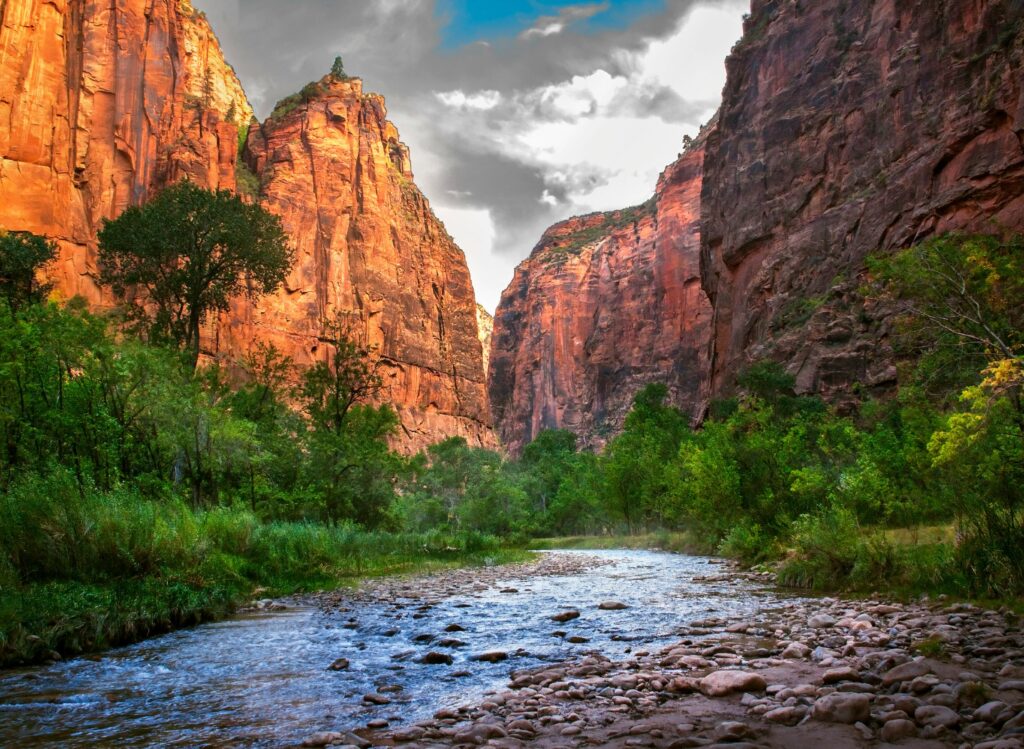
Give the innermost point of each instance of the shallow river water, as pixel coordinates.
(262, 680)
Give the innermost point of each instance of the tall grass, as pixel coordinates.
(85, 570)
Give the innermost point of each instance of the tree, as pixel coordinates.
(22, 255)
(963, 304)
(186, 254)
(351, 467)
(338, 69)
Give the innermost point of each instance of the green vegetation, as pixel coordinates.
(139, 493)
(187, 253)
(573, 243)
(20, 256)
(290, 103)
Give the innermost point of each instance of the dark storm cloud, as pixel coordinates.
(467, 155)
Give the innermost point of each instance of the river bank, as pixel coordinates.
(802, 674)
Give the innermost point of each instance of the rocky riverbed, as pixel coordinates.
(844, 673)
(803, 673)
(603, 648)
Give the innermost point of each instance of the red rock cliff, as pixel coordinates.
(848, 127)
(369, 249)
(606, 304)
(102, 103)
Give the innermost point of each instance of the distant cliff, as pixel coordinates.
(845, 128)
(605, 304)
(102, 104)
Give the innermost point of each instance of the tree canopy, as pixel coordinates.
(22, 255)
(186, 254)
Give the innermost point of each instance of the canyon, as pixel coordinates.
(101, 106)
(605, 304)
(844, 129)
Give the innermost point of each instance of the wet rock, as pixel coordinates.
(493, 656)
(566, 616)
(721, 683)
(577, 639)
(341, 664)
(376, 699)
(454, 628)
(842, 707)
(612, 606)
(433, 658)
(450, 642)
(411, 733)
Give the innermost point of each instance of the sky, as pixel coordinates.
(518, 113)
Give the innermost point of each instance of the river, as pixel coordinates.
(263, 679)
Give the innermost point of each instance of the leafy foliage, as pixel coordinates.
(22, 256)
(187, 253)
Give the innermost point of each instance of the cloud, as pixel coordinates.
(509, 134)
(551, 25)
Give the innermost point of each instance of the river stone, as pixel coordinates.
(796, 650)
(936, 715)
(376, 699)
(454, 628)
(721, 683)
(843, 707)
(492, 656)
(906, 672)
(787, 716)
(325, 738)
(821, 621)
(898, 729)
(434, 658)
(339, 665)
(990, 711)
(841, 673)
(566, 616)
(612, 606)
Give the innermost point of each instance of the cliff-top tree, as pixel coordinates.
(21, 257)
(185, 254)
(338, 69)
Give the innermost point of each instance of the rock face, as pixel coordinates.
(101, 104)
(371, 254)
(485, 329)
(605, 304)
(847, 128)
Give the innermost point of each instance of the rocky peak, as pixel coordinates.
(371, 252)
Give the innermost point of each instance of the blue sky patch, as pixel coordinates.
(471, 21)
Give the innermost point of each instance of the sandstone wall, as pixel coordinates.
(848, 127)
(606, 304)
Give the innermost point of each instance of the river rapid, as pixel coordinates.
(263, 679)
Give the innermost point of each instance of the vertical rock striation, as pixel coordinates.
(605, 304)
(102, 103)
(370, 253)
(845, 128)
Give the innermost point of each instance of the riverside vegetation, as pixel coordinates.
(139, 491)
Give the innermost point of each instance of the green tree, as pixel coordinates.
(338, 69)
(351, 469)
(22, 255)
(186, 253)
